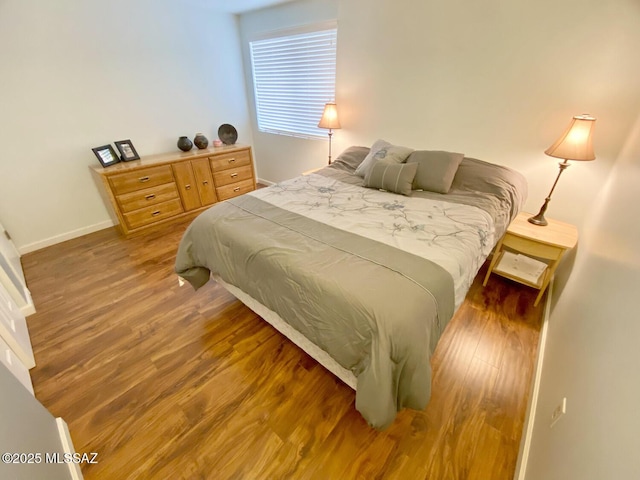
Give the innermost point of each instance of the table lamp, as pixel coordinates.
(330, 120)
(576, 143)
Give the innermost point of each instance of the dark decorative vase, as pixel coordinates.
(201, 141)
(185, 144)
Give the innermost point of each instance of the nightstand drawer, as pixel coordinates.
(232, 175)
(532, 247)
(235, 189)
(139, 179)
(147, 197)
(230, 160)
(154, 213)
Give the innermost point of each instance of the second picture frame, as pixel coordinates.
(127, 150)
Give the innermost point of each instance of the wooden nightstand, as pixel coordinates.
(547, 244)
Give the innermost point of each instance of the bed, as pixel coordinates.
(363, 279)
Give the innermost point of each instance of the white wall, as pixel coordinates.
(495, 80)
(592, 354)
(281, 157)
(79, 74)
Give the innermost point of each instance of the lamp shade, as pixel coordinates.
(330, 117)
(576, 143)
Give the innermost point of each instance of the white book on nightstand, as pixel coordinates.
(521, 266)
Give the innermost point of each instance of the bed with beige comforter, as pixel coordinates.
(370, 277)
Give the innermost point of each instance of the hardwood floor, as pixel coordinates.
(164, 382)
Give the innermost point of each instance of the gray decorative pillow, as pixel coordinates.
(436, 169)
(382, 151)
(392, 177)
(351, 158)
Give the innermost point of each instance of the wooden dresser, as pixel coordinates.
(158, 189)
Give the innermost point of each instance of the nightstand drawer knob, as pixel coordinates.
(156, 213)
(144, 179)
(237, 189)
(234, 175)
(231, 160)
(150, 197)
(187, 187)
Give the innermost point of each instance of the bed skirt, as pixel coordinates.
(271, 317)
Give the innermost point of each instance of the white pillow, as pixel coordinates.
(385, 152)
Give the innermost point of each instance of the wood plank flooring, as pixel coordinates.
(164, 382)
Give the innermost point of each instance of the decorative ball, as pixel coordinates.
(185, 144)
(201, 141)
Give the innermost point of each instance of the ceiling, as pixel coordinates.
(239, 6)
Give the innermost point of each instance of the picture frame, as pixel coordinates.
(106, 155)
(127, 150)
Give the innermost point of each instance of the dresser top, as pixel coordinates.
(161, 158)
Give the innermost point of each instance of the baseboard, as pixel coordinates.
(529, 420)
(47, 242)
(67, 446)
(265, 182)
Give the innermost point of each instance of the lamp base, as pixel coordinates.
(330, 135)
(538, 220)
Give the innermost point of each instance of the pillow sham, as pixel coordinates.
(436, 169)
(392, 177)
(383, 151)
(351, 158)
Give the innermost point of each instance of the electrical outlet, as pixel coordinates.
(558, 412)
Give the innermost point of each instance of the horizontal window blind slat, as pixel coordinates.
(288, 62)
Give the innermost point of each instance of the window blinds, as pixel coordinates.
(294, 76)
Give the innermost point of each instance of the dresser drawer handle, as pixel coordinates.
(156, 213)
(143, 179)
(237, 189)
(231, 160)
(205, 183)
(187, 186)
(150, 197)
(234, 175)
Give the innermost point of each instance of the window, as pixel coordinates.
(293, 77)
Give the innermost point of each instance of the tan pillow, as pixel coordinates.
(436, 169)
(392, 177)
(382, 151)
(351, 158)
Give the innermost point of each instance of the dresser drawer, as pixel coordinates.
(139, 179)
(153, 213)
(149, 196)
(235, 189)
(232, 175)
(230, 160)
